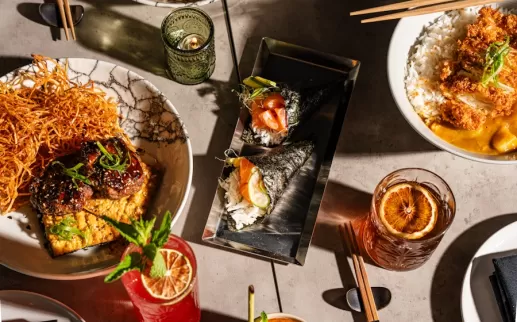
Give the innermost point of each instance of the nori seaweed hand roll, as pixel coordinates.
(257, 182)
(278, 109)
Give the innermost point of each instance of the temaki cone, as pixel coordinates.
(279, 166)
(299, 105)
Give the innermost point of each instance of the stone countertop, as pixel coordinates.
(375, 141)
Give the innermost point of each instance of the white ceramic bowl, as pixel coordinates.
(403, 38)
(152, 123)
(280, 316)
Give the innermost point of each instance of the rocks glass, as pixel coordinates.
(188, 37)
(385, 246)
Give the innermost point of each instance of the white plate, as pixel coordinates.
(478, 302)
(175, 3)
(403, 38)
(33, 307)
(153, 124)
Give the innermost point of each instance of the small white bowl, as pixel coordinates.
(280, 316)
(403, 38)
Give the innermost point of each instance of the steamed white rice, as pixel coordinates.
(242, 212)
(437, 43)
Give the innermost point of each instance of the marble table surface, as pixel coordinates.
(375, 141)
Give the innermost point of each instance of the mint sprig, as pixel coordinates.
(263, 317)
(141, 233)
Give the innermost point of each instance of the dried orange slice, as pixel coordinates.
(176, 280)
(408, 210)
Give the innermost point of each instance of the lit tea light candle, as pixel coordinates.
(191, 42)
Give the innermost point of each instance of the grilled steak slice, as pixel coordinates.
(55, 193)
(88, 155)
(115, 184)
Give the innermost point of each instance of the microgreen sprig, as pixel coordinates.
(73, 173)
(494, 61)
(140, 232)
(255, 87)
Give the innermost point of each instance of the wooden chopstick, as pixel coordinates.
(349, 237)
(69, 18)
(63, 17)
(397, 6)
(438, 8)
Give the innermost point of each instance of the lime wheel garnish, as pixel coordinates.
(176, 280)
(408, 210)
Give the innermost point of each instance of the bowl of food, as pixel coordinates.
(453, 77)
(82, 139)
(278, 317)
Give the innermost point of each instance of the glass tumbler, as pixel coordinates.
(188, 37)
(390, 250)
(184, 308)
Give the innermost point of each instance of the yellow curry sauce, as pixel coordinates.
(483, 140)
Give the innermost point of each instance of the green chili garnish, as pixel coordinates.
(494, 61)
(73, 173)
(66, 230)
(112, 161)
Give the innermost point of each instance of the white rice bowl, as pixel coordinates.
(409, 43)
(437, 43)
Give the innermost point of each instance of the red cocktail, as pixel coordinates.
(170, 298)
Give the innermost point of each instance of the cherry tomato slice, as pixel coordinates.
(273, 101)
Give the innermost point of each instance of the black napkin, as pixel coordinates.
(504, 283)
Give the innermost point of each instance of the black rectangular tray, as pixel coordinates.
(285, 235)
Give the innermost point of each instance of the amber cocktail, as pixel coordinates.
(410, 212)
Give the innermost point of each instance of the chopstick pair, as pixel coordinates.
(432, 6)
(66, 17)
(349, 238)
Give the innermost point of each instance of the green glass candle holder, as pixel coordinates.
(188, 37)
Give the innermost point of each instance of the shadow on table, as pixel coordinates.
(449, 274)
(107, 3)
(340, 204)
(10, 63)
(31, 11)
(123, 38)
(206, 167)
(209, 316)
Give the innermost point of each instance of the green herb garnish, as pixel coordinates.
(66, 230)
(73, 173)
(113, 161)
(141, 233)
(494, 61)
(263, 317)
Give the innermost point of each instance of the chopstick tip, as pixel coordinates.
(251, 289)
